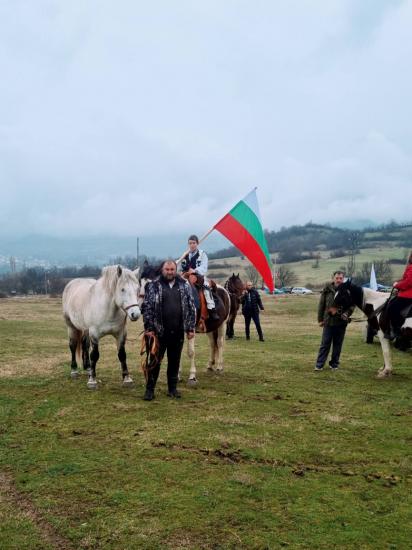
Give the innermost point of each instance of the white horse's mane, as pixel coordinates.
(110, 277)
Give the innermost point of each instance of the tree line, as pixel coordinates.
(302, 242)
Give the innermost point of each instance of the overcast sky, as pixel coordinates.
(136, 117)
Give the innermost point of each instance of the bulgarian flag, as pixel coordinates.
(242, 227)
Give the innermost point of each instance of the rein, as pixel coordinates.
(149, 352)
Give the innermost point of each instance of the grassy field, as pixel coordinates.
(270, 454)
(306, 274)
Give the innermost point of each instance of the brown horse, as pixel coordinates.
(235, 287)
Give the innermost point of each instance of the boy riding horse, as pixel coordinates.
(195, 263)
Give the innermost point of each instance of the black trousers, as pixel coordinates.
(248, 317)
(172, 344)
(331, 336)
(394, 311)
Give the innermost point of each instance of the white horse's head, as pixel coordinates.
(126, 292)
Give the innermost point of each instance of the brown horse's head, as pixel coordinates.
(235, 285)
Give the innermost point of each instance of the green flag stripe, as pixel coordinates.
(246, 217)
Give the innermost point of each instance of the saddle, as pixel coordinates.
(384, 319)
(197, 282)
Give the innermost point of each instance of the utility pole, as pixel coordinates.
(12, 264)
(137, 251)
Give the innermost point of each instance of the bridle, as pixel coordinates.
(125, 309)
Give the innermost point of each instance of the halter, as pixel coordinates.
(128, 307)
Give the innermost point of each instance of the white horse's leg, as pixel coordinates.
(211, 363)
(74, 344)
(386, 370)
(192, 381)
(219, 347)
(121, 354)
(94, 357)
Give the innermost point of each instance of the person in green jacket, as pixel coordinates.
(334, 322)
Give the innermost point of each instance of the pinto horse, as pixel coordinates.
(215, 330)
(235, 287)
(371, 303)
(93, 309)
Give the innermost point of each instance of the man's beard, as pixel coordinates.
(169, 277)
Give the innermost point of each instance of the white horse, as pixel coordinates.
(370, 302)
(215, 330)
(94, 308)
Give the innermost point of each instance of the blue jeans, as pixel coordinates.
(331, 336)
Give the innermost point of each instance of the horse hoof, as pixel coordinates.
(192, 382)
(74, 374)
(88, 372)
(128, 382)
(92, 385)
(383, 374)
(219, 371)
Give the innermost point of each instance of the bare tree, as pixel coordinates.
(383, 272)
(252, 274)
(285, 276)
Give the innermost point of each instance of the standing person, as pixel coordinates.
(402, 301)
(334, 323)
(196, 261)
(169, 312)
(251, 304)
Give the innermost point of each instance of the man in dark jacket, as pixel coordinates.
(169, 312)
(251, 304)
(334, 323)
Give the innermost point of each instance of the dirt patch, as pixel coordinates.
(28, 367)
(22, 503)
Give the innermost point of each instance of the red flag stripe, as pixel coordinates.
(243, 240)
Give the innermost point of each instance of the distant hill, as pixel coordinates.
(46, 251)
(299, 241)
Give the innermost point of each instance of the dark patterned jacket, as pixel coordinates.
(152, 306)
(326, 301)
(251, 302)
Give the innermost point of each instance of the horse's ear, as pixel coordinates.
(119, 270)
(137, 272)
(233, 274)
(237, 275)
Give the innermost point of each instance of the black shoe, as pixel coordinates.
(213, 316)
(149, 395)
(174, 393)
(247, 337)
(261, 339)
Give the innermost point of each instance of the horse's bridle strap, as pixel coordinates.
(128, 307)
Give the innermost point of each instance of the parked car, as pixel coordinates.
(286, 289)
(301, 290)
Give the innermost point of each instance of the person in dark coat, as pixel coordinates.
(251, 305)
(401, 302)
(168, 312)
(334, 323)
